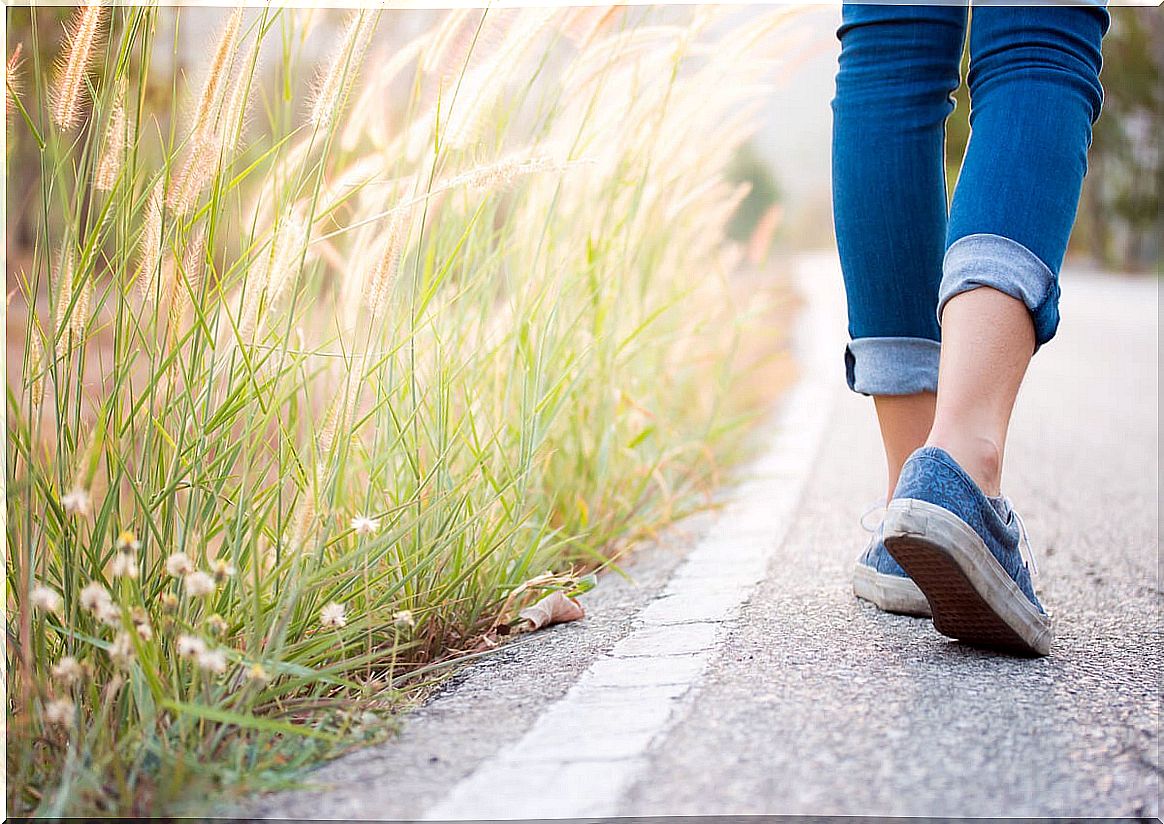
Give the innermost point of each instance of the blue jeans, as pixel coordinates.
(1035, 93)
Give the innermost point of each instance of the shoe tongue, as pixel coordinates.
(1002, 506)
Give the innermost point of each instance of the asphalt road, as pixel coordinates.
(791, 697)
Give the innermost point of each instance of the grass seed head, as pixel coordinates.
(113, 154)
(333, 83)
(67, 92)
(150, 243)
(215, 75)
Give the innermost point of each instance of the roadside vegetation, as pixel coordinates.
(319, 383)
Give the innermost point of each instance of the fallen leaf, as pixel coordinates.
(555, 608)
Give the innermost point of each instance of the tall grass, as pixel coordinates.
(321, 378)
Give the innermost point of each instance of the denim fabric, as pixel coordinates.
(932, 475)
(892, 366)
(878, 557)
(1035, 90)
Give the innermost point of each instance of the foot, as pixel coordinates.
(968, 553)
(879, 579)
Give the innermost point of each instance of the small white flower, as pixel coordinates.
(257, 674)
(363, 525)
(404, 619)
(109, 614)
(76, 502)
(333, 615)
(213, 660)
(222, 570)
(190, 646)
(59, 711)
(127, 542)
(198, 584)
(216, 624)
(45, 598)
(93, 596)
(144, 631)
(179, 564)
(124, 565)
(122, 650)
(68, 670)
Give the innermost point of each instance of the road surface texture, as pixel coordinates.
(736, 674)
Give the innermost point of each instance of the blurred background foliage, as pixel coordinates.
(1119, 222)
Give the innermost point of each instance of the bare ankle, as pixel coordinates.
(980, 456)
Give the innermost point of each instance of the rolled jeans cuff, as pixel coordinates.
(892, 366)
(1008, 266)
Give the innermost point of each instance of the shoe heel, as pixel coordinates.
(971, 596)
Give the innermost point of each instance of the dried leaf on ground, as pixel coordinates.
(555, 608)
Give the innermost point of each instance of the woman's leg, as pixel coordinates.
(1035, 92)
(898, 67)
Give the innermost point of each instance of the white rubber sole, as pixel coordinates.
(972, 597)
(890, 593)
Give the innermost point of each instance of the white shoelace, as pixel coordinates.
(869, 510)
(1026, 551)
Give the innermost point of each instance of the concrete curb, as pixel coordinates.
(586, 749)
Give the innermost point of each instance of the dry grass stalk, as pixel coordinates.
(69, 85)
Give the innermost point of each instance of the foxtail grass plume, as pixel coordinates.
(194, 176)
(150, 244)
(186, 282)
(67, 261)
(35, 368)
(333, 84)
(12, 78)
(378, 286)
(113, 153)
(215, 76)
(68, 88)
(232, 116)
(79, 318)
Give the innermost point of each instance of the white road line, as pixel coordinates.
(587, 748)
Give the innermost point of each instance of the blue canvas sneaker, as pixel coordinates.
(968, 553)
(879, 579)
